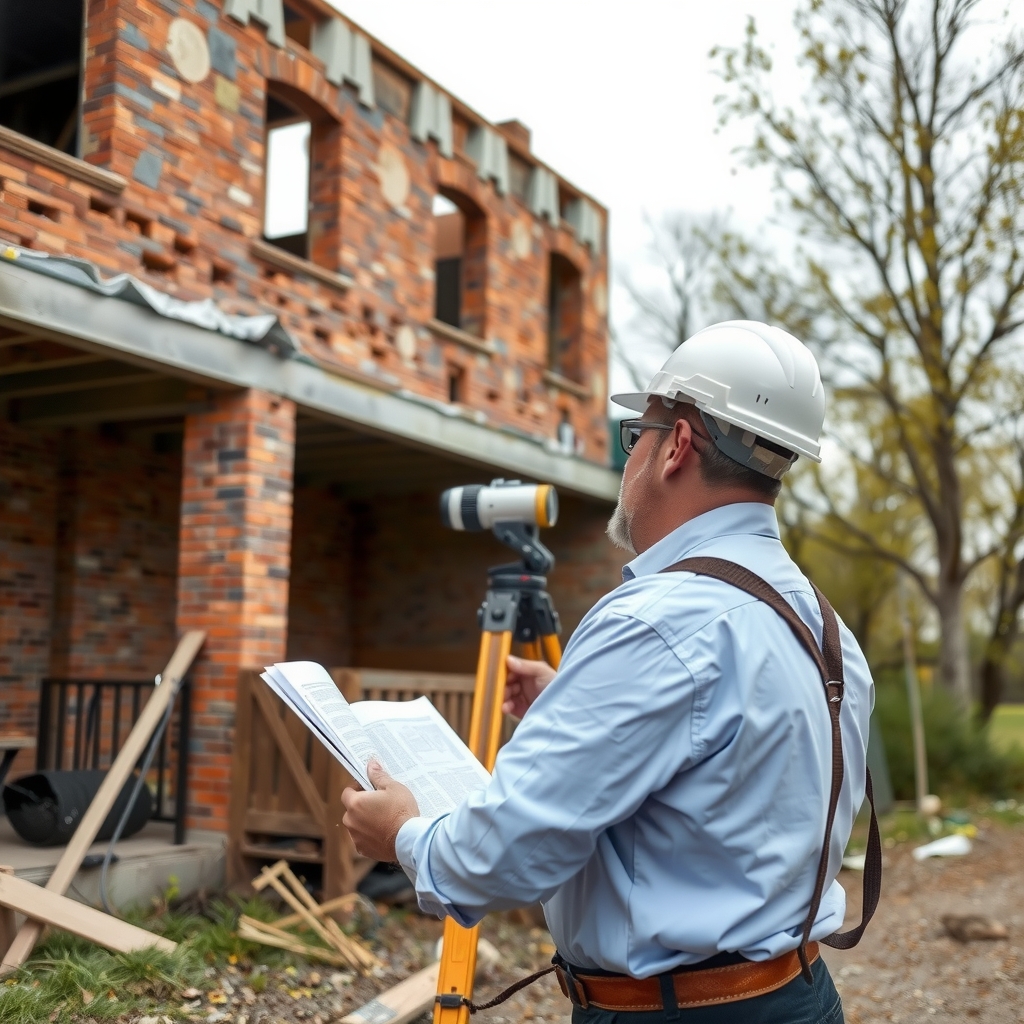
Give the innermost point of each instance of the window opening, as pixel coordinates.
(460, 263)
(297, 26)
(286, 211)
(566, 434)
(565, 313)
(456, 380)
(40, 70)
(450, 234)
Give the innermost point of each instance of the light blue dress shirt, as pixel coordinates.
(665, 795)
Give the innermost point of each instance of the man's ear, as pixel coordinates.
(677, 448)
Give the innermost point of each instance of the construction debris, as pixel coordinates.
(51, 908)
(414, 996)
(59, 909)
(341, 950)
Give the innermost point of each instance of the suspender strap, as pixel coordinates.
(829, 660)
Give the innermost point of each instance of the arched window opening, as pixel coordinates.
(460, 262)
(286, 211)
(565, 315)
(302, 185)
(41, 70)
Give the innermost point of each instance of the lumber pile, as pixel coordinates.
(340, 949)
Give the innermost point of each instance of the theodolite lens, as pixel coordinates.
(476, 507)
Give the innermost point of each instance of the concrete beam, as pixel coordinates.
(75, 316)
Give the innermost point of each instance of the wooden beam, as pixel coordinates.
(18, 339)
(31, 365)
(409, 998)
(62, 380)
(113, 782)
(62, 912)
(401, 1004)
(292, 758)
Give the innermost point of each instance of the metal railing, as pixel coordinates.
(84, 722)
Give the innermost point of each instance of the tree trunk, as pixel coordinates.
(954, 658)
(992, 675)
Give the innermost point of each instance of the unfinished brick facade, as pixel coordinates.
(142, 495)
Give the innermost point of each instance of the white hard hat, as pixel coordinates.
(745, 374)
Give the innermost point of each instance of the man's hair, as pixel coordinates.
(715, 466)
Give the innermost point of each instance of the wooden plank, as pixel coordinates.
(341, 940)
(346, 902)
(292, 758)
(17, 742)
(401, 1004)
(61, 912)
(241, 772)
(270, 935)
(409, 998)
(284, 823)
(113, 782)
(270, 876)
(7, 928)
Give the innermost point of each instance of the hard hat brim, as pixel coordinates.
(636, 400)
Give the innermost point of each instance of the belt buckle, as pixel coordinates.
(572, 988)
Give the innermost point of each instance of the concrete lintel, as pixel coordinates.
(66, 313)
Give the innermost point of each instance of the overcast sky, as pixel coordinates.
(619, 96)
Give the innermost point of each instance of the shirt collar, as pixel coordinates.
(748, 517)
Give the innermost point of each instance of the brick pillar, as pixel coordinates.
(235, 540)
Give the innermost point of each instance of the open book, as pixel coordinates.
(410, 739)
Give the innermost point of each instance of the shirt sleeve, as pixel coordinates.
(613, 727)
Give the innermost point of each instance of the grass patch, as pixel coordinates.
(1006, 730)
(69, 979)
(965, 760)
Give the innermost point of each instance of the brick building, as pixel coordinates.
(248, 433)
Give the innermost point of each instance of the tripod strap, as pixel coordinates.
(829, 660)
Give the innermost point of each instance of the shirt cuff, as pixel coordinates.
(406, 841)
(412, 847)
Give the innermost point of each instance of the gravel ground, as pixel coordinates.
(906, 970)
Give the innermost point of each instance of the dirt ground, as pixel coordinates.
(906, 970)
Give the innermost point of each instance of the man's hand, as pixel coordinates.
(525, 681)
(374, 818)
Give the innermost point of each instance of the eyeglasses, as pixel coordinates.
(630, 430)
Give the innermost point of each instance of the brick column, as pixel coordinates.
(234, 551)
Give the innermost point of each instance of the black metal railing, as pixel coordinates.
(84, 722)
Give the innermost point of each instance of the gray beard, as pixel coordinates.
(618, 527)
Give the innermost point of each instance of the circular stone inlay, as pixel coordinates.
(188, 49)
(393, 174)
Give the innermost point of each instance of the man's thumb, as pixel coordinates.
(376, 774)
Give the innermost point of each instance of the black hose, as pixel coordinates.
(139, 783)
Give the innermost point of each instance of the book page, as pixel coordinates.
(422, 751)
(312, 694)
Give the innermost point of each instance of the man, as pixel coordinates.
(665, 794)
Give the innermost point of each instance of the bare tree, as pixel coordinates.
(903, 170)
(671, 292)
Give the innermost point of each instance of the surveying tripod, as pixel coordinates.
(516, 608)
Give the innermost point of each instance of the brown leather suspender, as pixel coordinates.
(829, 659)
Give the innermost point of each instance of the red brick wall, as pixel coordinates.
(235, 539)
(320, 591)
(116, 553)
(28, 494)
(190, 235)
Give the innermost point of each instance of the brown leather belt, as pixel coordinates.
(692, 988)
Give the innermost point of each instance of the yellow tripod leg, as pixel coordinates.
(458, 949)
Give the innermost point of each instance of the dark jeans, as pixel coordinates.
(795, 1003)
